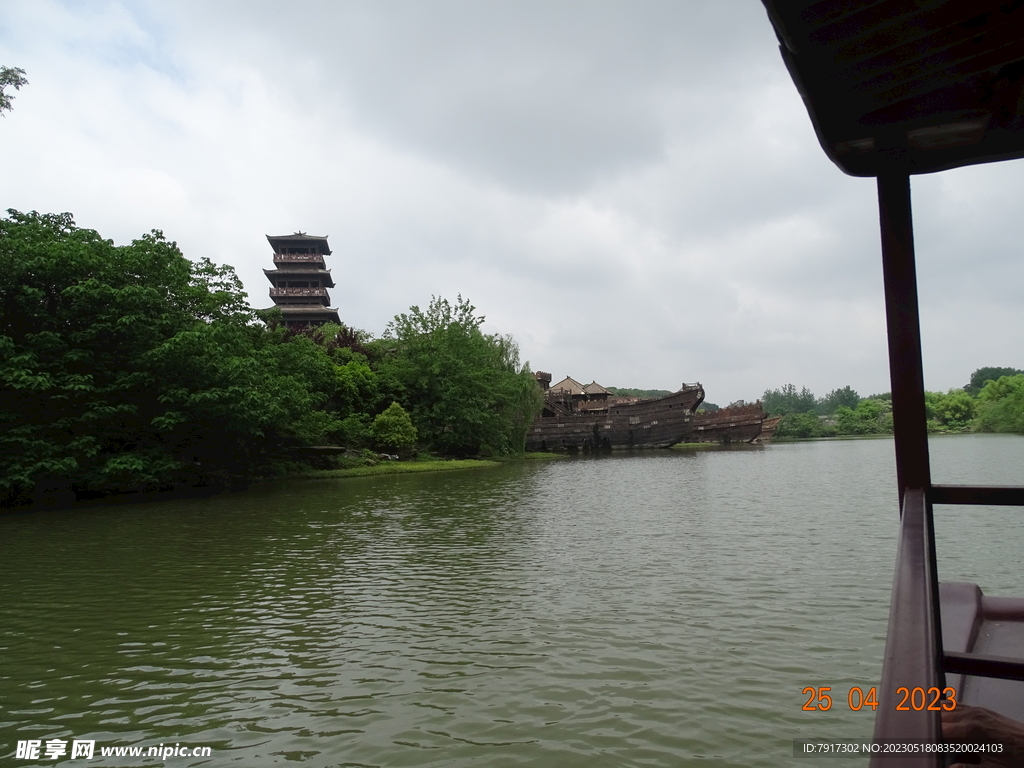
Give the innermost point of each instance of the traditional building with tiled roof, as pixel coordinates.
(569, 386)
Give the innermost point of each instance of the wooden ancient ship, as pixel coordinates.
(742, 423)
(579, 417)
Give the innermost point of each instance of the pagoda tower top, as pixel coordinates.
(299, 243)
(300, 279)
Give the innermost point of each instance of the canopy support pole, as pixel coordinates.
(906, 374)
(910, 422)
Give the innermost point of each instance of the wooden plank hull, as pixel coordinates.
(656, 423)
(737, 424)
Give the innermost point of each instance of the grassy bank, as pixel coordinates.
(419, 465)
(396, 468)
(535, 456)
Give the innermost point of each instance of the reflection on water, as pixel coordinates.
(661, 609)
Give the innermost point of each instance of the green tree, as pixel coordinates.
(804, 425)
(983, 375)
(953, 410)
(787, 399)
(870, 417)
(357, 387)
(393, 430)
(829, 403)
(465, 390)
(633, 392)
(131, 366)
(15, 77)
(1001, 405)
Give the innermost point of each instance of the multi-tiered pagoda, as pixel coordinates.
(300, 279)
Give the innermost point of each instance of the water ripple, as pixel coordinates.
(646, 610)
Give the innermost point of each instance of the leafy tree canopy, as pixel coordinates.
(464, 389)
(393, 430)
(630, 392)
(128, 366)
(1001, 405)
(10, 76)
(804, 425)
(847, 396)
(870, 417)
(983, 375)
(952, 410)
(788, 399)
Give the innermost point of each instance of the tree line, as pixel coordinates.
(132, 367)
(992, 401)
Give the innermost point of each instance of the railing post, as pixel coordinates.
(906, 374)
(903, 323)
(913, 628)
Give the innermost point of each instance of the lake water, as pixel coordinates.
(656, 609)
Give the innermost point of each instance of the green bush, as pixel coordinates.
(393, 430)
(804, 425)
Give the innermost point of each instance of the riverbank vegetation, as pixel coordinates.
(992, 401)
(395, 468)
(131, 368)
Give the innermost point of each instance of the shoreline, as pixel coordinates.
(388, 468)
(172, 494)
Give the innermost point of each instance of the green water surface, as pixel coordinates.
(654, 609)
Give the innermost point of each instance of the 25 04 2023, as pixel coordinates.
(820, 699)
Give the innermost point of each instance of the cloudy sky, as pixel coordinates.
(631, 189)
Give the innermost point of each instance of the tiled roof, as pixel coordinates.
(569, 385)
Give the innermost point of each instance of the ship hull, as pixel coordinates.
(656, 423)
(736, 424)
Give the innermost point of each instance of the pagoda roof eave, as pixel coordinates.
(322, 273)
(298, 309)
(300, 237)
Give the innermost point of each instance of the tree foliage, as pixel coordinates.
(464, 390)
(804, 425)
(633, 392)
(1001, 405)
(870, 417)
(129, 366)
(788, 399)
(830, 403)
(10, 76)
(950, 411)
(393, 430)
(984, 375)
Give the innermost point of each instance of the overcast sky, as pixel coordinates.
(631, 189)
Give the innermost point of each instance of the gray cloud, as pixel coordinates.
(633, 191)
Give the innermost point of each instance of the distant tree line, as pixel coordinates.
(992, 401)
(131, 367)
(644, 393)
(652, 393)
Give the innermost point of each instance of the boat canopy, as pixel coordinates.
(923, 86)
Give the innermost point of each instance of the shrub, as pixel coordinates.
(393, 430)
